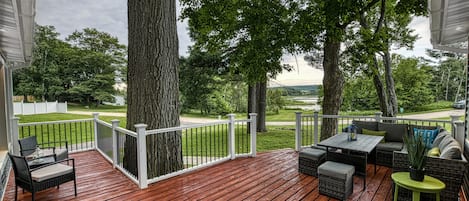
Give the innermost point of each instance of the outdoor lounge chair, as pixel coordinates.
(28, 147)
(43, 177)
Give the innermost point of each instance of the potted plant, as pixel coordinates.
(416, 150)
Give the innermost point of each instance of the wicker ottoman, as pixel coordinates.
(336, 179)
(309, 160)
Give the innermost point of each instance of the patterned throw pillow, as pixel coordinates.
(428, 136)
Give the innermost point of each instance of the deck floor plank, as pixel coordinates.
(269, 176)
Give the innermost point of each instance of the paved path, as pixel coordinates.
(193, 120)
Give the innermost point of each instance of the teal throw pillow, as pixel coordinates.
(428, 136)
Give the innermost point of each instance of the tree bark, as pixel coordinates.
(261, 106)
(153, 84)
(333, 83)
(380, 91)
(252, 101)
(390, 87)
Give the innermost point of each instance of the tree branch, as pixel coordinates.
(381, 17)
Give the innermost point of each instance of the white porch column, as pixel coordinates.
(15, 147)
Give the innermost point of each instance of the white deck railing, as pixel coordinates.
(202, 145)
(307, 129)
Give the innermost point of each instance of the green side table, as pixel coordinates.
(428, 185)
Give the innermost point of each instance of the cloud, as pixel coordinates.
(421, 28)
(105, 15)
(111, 16)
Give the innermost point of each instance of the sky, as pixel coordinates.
(110, 16)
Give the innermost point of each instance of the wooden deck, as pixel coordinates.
(269, 176)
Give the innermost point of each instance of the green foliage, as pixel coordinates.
(417, 152)
(251, 35)
(412, 83)
(359, 94)
(199, 78)
(275, 100)
(79, 69)
(436, 106)
(448, 79)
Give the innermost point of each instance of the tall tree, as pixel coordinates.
(80, 69)
(153, 84)
(412, 82)
(251, 34)
(326, 22)
(200, 78)
(42, 80)
(97, 56)
(379, 29)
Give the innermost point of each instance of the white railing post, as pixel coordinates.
(298, 131)
(454, 119)
(57, 106)
(15, 135)
(253, 127)
(459, 134)
(46, 107)
(231, 135)
(115, 149)
(378, 116)
(142, 155)
(95, 118)
(35, 110)
(316, 127)
(66, 107)
(22, 107)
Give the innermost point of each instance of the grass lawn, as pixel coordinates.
(284, 115)
(278, 137)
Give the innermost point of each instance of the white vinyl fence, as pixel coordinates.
(39, 108)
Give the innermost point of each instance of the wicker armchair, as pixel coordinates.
(449, 171)
(44, 177)
(28, 147)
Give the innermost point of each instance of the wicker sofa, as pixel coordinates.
(449, 171)
(450, 167)
(393, 138)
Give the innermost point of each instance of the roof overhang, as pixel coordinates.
(449, 24)
(16, 30)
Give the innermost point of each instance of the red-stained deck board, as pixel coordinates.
(269, 176)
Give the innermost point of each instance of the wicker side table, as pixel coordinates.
(309, 159)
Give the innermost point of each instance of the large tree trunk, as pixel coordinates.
(153, 84)
(333, 83)
(391, 89)
(252, 101)
(261, 106)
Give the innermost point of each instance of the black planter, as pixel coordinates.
(416, 175)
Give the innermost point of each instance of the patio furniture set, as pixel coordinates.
(41, 166)
(335, 160)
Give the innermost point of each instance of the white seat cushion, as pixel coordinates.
(50, 172)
